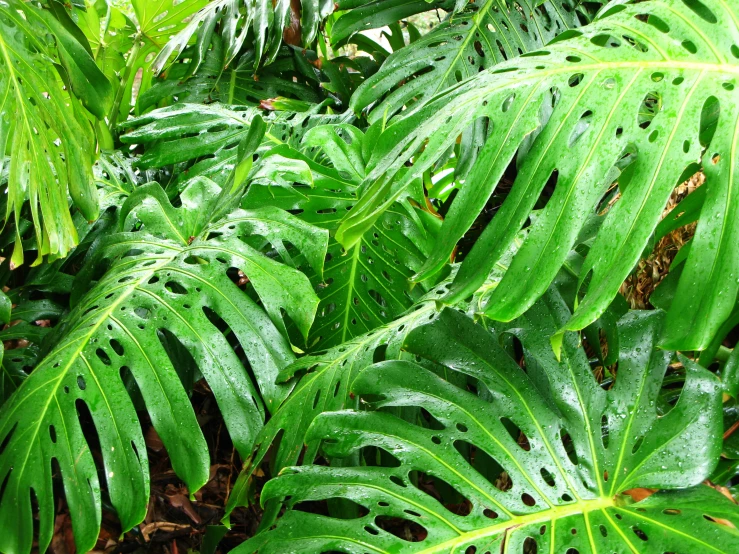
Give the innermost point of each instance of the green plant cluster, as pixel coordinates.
(399, 260)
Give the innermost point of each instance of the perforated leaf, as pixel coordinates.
(42, 125)
(366, 286)
(484, 34)
(325, 385)
(207, 136)
(264, 20)
(169, 294)
(538, 458)
(648, 91)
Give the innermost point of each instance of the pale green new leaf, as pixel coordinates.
(43, 126)
(154, 23)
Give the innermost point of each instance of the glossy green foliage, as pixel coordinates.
(108, 31)
(296, 73)
(126, 48)
(281, 216)
(325, 385)
(464, 44)
(204, 138)
(163, 313)
(264, 20)
(642, 95)
(15, 363)
(43, 127)
(539, 457)
(366, 286)
(355, 16)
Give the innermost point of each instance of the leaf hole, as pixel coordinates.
(404, 529)
(443, 492)
(701, 10)
(575, 79)
(103, 356)
(690, 46)
(547, 476)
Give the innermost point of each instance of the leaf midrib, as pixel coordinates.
(580, 507)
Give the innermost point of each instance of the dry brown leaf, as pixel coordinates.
(153, 441)
(150, 528)
(723, 490)
(640, 494)
(650, 271)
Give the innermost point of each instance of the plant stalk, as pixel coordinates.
(132, 55)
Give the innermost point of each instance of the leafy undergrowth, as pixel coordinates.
(296, 276)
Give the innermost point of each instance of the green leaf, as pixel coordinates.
(324, 385)
(366, 286)
(167, 286)
(484, 34)
(5, 308)
(355, 16)
(154, 23)
(104, 26)
(538, 459)
(12, 374)
(640, 87)
(207, 135)
(158, 20)
(42, 127)
(265, 19)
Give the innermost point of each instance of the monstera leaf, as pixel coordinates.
(154, 23)
(168, 294)
(366, 286)
(643, 95)
(42, 125)
(267, 21)
(16, 362)
(204, 137)
(537, 457)
(484, 34)
(324, 385)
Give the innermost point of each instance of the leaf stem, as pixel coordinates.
(231, 86)
(132, 55)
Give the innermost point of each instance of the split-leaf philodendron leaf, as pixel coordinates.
(167, 293)
(540, 456)
(485, 33)
(642, 95)
(390, 252)
(368, 285)
(42, 127)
